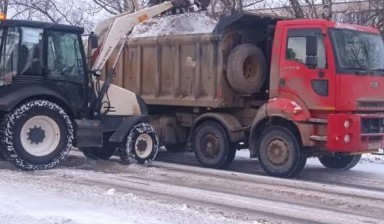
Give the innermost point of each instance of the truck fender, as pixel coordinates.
(125, 127)
(18, 95)
(230, 123)
(282, 108)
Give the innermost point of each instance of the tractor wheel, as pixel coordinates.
(211, 145)
(246, 69)
(340, 162)
(141, 146)
(280, 153)
(104, 152)
(36, 135)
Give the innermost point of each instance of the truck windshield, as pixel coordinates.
(358, 52)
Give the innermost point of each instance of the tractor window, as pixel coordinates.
(64, 57)
(9, 56)
(296, 50)
(31, 51)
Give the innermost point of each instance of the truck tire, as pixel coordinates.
(104, 152)
(231, 155)
(246, 69)
(340, 162)
(141, 146)
(36, 135)
(280, 153)
(211, 145)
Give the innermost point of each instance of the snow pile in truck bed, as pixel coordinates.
(188, 23)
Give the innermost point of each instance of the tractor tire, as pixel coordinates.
(175, 148)
(211, 145)
(280, 153)
(104, 152)
(141, 146)
(340, 162)
(246, 69)
(37, 135)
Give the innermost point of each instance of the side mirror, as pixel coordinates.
(92, 40)
(311, 52)
(311, 46)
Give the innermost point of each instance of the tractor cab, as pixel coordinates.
(49, 57)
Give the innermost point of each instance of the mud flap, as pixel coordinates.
(122, 131)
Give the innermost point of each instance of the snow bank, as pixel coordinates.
(188, 23)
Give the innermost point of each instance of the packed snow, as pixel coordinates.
(42, 197)
(180, 24)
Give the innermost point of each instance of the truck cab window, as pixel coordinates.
(64, 57)
(296, 50)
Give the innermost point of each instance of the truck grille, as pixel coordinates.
(370, 105)
(372, 125)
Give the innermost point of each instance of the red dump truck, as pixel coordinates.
(285, 89)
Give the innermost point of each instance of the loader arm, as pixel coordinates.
(118, 26)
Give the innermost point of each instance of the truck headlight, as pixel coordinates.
(347, 138)
(347, 124)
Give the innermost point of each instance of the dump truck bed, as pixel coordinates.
(183, 70)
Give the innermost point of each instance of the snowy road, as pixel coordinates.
(182, 192)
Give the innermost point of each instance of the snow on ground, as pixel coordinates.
(190, 23)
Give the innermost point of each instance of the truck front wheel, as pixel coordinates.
(340, 162)
(280, 153)
(141, 146)
(36, 135)
(211, 145)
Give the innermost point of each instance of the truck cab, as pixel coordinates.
(333, 72)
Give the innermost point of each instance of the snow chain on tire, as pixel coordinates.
(127, 151)
(12, 124)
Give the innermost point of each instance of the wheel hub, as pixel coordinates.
(40, 135)
(210, 146)
(278, 152)
(36, 135)
(143, 145)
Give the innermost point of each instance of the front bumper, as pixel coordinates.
(355, 132)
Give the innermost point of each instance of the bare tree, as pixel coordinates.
(4, 6)
(219, 8)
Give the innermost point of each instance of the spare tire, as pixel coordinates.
(246, 68)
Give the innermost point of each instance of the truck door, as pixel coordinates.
(65, 68)
(306, 74)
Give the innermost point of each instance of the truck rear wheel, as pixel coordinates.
(340, 162)
(211, 145)
(36, 135)
(246, 68)
(280, 153)
(141, 146)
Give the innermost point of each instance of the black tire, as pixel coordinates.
(231, 156)
(211, 145)
(104, 152)
(280, 153)
(28, 139)
(340, 162)
(141, 146)
(246, 68)
(175, 148)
